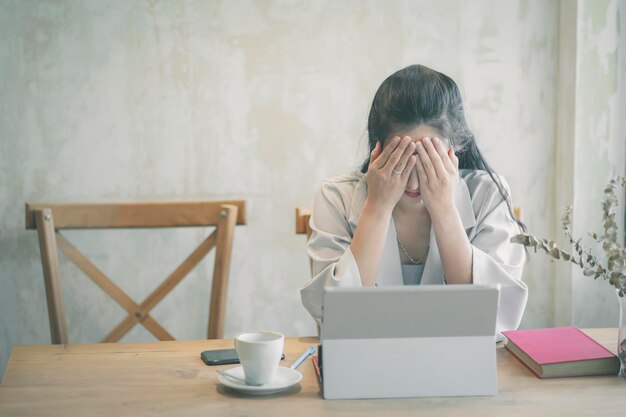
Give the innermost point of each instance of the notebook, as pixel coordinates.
(561, 352)
(422, 341)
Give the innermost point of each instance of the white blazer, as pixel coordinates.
(485, 217)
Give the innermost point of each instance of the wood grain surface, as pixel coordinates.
(169, 379)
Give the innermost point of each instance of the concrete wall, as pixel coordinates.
(186, 100)
(599, 143)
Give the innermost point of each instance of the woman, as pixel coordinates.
(425, 209)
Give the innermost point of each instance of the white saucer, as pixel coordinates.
(285, 378)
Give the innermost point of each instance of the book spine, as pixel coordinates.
(523, 361)
(318, 373)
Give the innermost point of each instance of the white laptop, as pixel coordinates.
(409, 341)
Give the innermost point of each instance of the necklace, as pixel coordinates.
(421, 258)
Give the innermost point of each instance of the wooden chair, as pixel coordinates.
(50, 219)
(303, 215)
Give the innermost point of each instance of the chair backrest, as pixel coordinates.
(50, 219)
(303, 215)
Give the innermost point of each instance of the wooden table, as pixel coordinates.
(169, 379)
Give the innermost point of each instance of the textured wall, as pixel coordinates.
(153, 100)
(599, 141)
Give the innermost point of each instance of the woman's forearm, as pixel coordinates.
(454, 247)
(369, 241)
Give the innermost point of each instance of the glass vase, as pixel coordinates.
(621, 335)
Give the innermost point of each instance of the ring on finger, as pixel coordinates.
(397, 172)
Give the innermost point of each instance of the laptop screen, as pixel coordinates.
(410, 311)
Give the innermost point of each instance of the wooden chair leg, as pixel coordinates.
(221, 269)
(51, 274)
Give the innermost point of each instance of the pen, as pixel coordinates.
(309, 351)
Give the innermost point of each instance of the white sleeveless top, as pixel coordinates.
(412, 274)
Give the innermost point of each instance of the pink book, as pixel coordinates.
(561, 352)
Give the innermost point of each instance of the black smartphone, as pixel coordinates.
(221, 357)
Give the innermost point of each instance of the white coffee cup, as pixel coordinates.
(259, 354)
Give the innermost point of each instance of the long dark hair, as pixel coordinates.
(418, 95)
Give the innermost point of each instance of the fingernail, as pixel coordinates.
(419, 145)
(436, 140)
(426, 140)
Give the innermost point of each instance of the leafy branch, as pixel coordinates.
(615, 268)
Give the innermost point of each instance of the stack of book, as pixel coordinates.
(561, 352)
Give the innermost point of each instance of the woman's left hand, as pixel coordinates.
(438, 173)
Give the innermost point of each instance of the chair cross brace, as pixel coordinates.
(137, 314)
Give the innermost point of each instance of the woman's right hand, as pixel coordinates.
(384, 189)
(388, 173)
